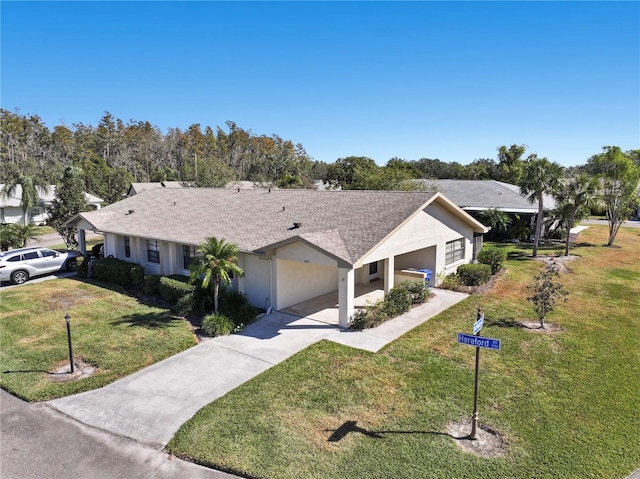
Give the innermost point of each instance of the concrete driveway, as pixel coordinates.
(39, 279)
(153, 403)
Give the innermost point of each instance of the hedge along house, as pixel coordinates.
(294, 244)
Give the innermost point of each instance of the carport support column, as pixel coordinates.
(82, 244)
(346, 293)
(389, 267)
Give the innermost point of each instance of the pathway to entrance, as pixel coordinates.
(153, 403)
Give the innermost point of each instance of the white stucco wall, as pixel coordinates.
(305, 254)
(256, 282)
(110, 246)
(12, 214)
(432, 227)
(298, 282)
(421, 259)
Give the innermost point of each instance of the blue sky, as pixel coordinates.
(448, 80)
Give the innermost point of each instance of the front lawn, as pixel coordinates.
(566, 404)
(109, 330)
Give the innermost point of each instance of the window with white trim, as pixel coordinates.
(127, 247)
(188, 255)
(153, 251)
(454, 251)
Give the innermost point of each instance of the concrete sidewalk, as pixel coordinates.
(153, 403)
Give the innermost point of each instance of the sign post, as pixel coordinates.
(474, 418)
(67, 318)
(479, 342)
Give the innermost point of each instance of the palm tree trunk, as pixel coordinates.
(569, 226)
(539, 219)
(216, 288)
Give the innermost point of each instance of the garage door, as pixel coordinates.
(297, 281)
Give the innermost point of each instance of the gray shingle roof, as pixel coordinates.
(346, 224)
(485, 194)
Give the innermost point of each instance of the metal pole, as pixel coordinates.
(474, 418)
(68, 320)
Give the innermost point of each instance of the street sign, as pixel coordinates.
(479, 341)
(477, 326)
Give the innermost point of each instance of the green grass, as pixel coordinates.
(109, 330)
(46, 230)
(566, 403)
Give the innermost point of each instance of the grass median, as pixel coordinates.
(110, 330)
(564, 403)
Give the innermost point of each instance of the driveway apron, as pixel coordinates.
(150, 405)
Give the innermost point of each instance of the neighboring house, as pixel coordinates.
(476, 196)
(294, 244)
(11, 210)
(322, 185)
(250, 185)
(136, 188)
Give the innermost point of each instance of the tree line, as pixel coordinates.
(107, 158)
(114, 154)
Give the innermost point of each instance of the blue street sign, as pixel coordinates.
(477, 326)
(479, 341)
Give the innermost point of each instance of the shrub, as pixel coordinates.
(202, 300)
(474, 274)
(151, 285)
(186, 305)
(398, 301)
(418, 290)
(179, 277)
(359, 320)
(493, 256)
(450, 281)
(369, 317)
(235, 306)
(83, 268)
(217, 325)
(243, 315)
(171, 290)
(116, 271)
(230, 299)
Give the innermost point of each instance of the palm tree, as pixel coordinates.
(215, 259)
(30, 196)
(580, 192)
(496, 219)
(17, 235)
(540, 177)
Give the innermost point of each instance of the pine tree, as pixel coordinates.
(69, 200)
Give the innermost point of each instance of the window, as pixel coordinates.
(127, 247)
(153, 251)
(454, 251)
(373, 268)
(188, 254)
(47, 252)
(13, 259)
(31, 255)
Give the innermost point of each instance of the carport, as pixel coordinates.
(324, 308)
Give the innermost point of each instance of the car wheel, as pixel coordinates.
(19, 277)
(72, 265)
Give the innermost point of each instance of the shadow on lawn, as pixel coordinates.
(149, 320)
(352, 427)
(503, 323)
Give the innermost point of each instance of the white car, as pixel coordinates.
(18, 265)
